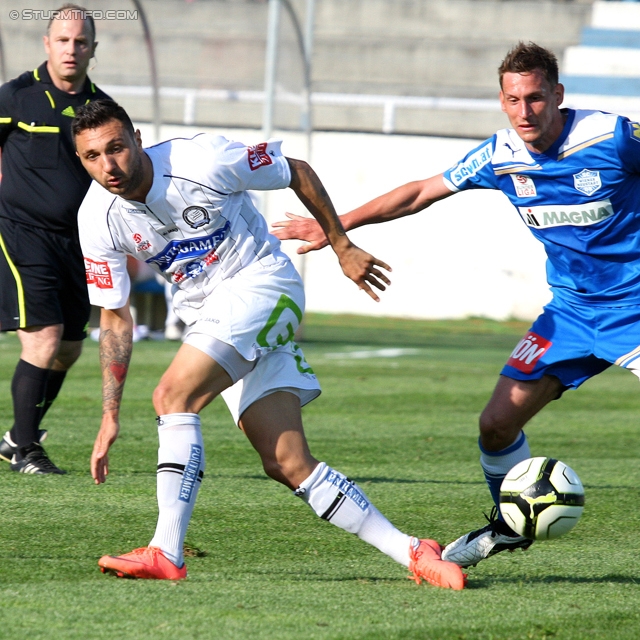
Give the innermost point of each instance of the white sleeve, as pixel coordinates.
(105, 264)
(238, 167)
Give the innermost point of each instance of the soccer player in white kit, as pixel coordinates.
(182, 207)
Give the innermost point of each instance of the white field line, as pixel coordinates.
(373, 353)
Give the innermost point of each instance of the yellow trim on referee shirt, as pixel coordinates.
(53, 104)
(21, 305)
(5, 120)
(31, 128)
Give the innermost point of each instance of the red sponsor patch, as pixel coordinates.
(98, 273)
(258, 156)
(137, 237)
(210, 258)
(528, 351)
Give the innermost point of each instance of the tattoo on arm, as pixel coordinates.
(314, 196)
(119, 371)
(115, 354)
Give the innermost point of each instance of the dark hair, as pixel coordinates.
(70, 10)
(524, 58)
(97, 113)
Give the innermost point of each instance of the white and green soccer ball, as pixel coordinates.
(541, 498)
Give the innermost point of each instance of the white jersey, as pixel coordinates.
(197, 226)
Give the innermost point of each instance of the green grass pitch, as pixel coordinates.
(398, 414)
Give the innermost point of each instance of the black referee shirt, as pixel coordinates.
(43, 182)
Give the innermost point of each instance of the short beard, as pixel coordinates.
(135, 180)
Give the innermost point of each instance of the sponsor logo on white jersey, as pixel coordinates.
(167, 230)
(258, 156)
(186, 248)
(98, 274)
(196, 217)
(588, 182)
(571, 215)
(134, 210)
(192, 269)
(525, 188)
(471, 165)
(141, 245)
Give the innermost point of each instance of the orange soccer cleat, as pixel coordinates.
(426, 563)
(148, 563)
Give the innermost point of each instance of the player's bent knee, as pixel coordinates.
(497, 432)
(274, 471)
(158, 398)
(290, 471)
(167, 400)
(285, 475)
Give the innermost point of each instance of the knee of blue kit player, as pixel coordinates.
(335, 498)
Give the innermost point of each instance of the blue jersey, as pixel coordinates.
(580, 198)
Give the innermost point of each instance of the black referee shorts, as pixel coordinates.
(42, 280)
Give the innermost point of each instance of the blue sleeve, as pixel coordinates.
(627, 135)
(475, 170)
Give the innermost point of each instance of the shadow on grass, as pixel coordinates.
(485, 582)
(71, 472)
(473, 582)
(361, 480)
(311, 575)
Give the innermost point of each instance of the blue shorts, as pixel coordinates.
(575, 343)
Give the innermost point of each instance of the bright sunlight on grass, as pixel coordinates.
(398, 414)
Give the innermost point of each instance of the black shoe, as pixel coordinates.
(8, 447)
(35, 461)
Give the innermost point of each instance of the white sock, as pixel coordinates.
(180, 470)
(499, 463)
(342, 502)
(496, 464)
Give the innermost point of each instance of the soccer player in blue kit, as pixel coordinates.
(573, 176)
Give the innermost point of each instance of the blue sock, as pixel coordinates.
(496, 464)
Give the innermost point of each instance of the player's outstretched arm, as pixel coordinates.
(358, 265)
(402, 201)
(116, 343)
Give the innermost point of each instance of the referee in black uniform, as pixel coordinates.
(43, 293)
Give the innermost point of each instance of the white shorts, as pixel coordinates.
(257, 312)
(282, 370)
